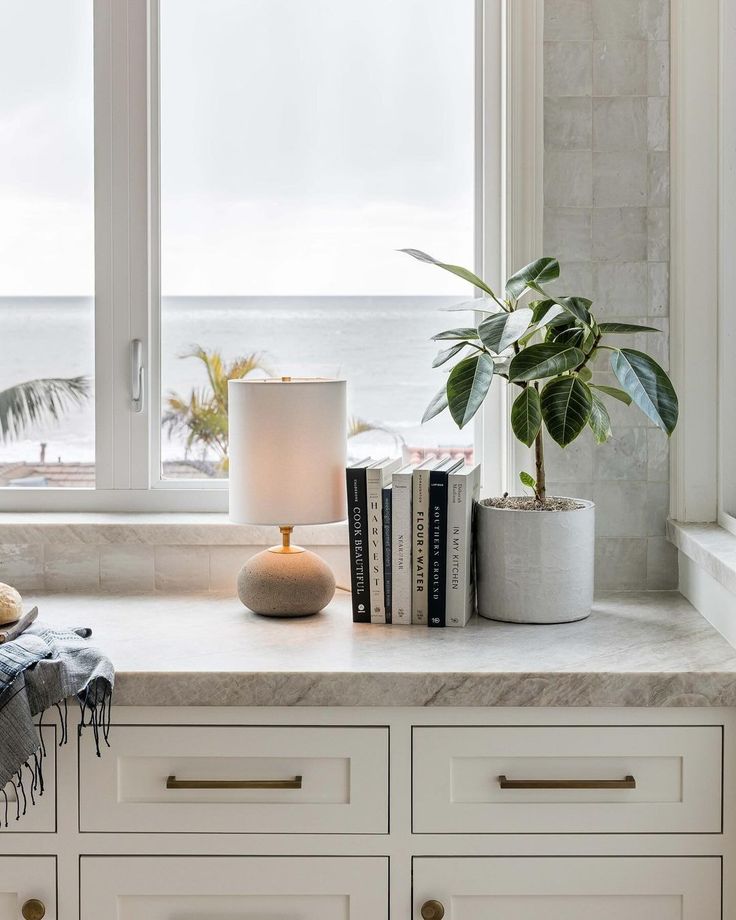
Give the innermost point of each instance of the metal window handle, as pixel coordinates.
(432, 910)
(173, 783)
(628, 782)
(33, 910)
(137, 375)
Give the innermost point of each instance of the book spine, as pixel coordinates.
(374, 487)
(358, 533)
(401, 550)
(387, 583)
(437, 555)
(420, 508)
(458, 559)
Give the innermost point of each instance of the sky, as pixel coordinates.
(302, 143)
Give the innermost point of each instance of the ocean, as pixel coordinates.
(379, 344)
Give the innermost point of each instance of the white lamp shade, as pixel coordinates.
(287, 451)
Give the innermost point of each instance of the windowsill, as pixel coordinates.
(709, 546)
(155, 529)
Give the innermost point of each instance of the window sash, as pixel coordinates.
(127, 259)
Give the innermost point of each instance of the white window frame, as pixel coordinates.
(508, 220)
(703, 267)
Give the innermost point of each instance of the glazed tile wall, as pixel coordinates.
(606, 217)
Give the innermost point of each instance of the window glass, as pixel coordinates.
(46, 243)
(303, 142)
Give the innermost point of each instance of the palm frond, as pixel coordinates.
(39, 402)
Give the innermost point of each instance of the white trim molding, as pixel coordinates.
(694, 256)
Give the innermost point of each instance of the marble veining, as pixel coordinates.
(638, 649)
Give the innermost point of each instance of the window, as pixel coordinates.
(257, 165)
(46, 244)
(302, 145)
(726, 330)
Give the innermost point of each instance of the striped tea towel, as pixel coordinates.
(38, 670)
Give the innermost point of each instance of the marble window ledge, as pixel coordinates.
(710, 546)
(155, 530)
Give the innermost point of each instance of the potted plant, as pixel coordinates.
(535, 553)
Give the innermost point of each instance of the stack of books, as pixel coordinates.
(411, 535)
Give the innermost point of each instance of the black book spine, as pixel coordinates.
(358, 528)
(437, 553)
(386, 496)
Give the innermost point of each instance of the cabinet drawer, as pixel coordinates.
(41, 816)
(170, 888)
(248, 780)
(571, 888)
(25, 878)
(567, 779)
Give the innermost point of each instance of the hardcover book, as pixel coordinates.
(463, 490)
(437, 551)
(387, 554)
(420, 535)
(401, 546)
(378, 475)
(358, 540)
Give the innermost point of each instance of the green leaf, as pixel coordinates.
(570, 335)
(624, 328)
(438, 404)
(467, 332)
(579, 307)
(599, 420)
(585, 373)
(458, 270)
(447, 353)
(545, 311)
(477, 304)
(648, 385)
(467, 386)
(614, 392)
(499, 331)
(543, 360)
(538, 272)
(526, 416)
(528, 481)
(566, 403)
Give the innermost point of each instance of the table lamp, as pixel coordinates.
(288, 440)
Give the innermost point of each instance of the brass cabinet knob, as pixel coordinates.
(33, 910)
(433, 910)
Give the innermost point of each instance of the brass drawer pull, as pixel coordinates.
(627, 782)
(432, 910)
(173, 783)
(33, 910)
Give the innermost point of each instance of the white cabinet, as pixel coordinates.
(570, 888)
(561, 779)
(26, 879)
(237, 779)
(234, 888)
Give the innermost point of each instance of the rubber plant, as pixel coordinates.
(545, 346)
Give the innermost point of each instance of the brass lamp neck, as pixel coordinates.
(286, 545)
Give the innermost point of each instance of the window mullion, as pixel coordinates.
(121, 238)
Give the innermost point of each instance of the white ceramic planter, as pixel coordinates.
(535, 566)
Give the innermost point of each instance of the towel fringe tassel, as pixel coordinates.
(99, 719)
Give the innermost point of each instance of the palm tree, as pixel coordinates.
(39, 402)
(203, 414)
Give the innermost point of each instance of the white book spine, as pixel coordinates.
(463, 490)
(401, 571)
(420, 511)
(374, 486)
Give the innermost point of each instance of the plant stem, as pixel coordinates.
(540, 492)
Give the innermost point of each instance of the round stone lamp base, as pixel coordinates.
(286, 581)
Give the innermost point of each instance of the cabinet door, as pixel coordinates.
(571, 888)
(24, 878)
(234, 888)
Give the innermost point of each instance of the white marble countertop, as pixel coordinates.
(649, 649)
